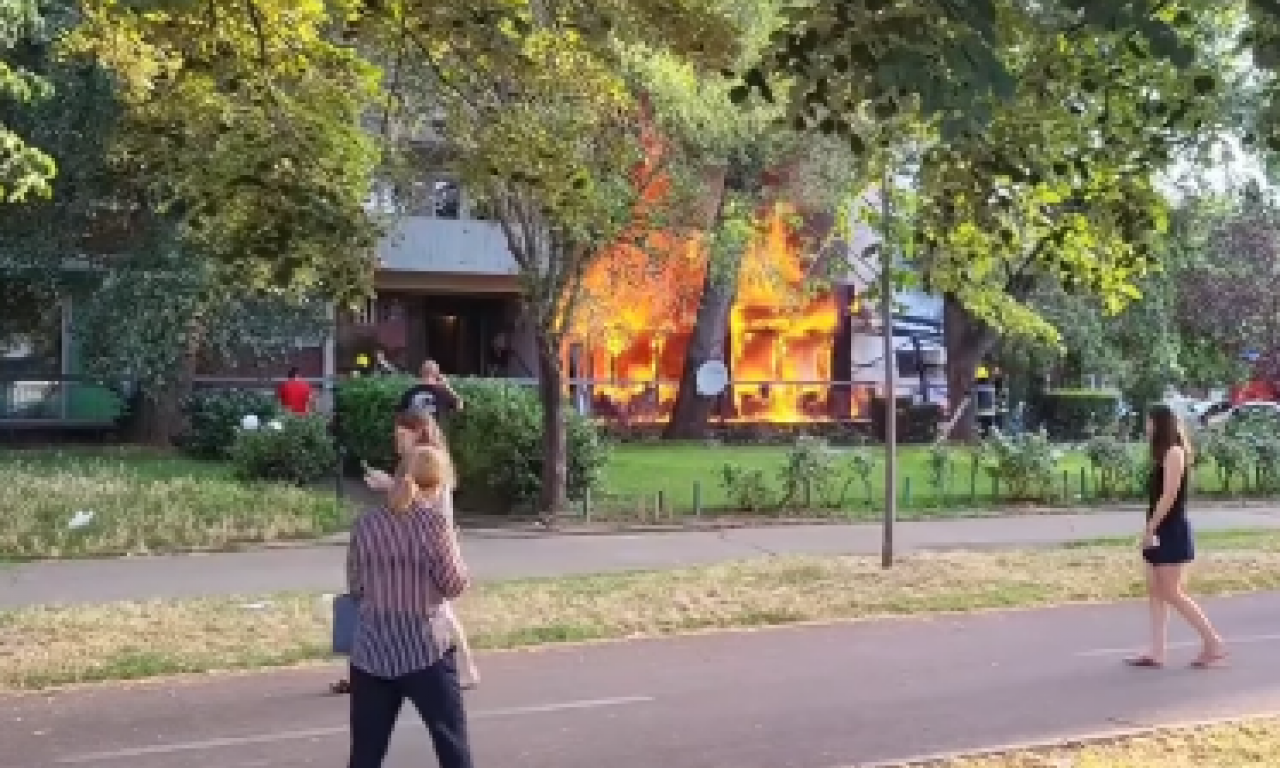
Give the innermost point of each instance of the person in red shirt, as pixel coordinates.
(294, 393)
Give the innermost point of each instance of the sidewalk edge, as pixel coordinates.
(1088, 739)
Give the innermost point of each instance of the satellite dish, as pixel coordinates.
(712, 378)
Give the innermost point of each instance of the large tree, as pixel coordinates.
(189, 220)
(949, 60)
(1209, 299)
(738, 168)
(1058, 188)
(243, 126)
(1230, 291)
(25, 168)
(538, 121)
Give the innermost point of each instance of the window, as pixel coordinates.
(365, 313)
(909, 363)
(446, 199)
(31, 368)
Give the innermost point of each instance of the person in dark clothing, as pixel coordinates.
(1168, 545)
(431, 395)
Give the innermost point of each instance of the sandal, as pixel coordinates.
(1144, 662)
(1209, 660)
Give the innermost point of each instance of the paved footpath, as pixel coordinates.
(814, 697)
(505, 556)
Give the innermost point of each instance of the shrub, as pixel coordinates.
(809, 475)
(1114, 465)
(1023, 466)
(746, 487)
(915, 422)
(1079, 414)
(293, 449)
(497, 444)
(365, 408)
(1253, 422)
(1231, 456)
(496, 440)
(941, 467)
(213, 419)
(859, 465)
(1266, 458)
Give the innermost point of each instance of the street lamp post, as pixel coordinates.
(890, 377)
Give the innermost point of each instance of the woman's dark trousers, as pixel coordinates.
(435, 693)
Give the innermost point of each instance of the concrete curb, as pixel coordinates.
(1095, 738)
(533, 531)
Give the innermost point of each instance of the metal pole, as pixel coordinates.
(890, 377)
(330, 369)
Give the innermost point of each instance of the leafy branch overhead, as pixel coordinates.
(954, 61)
(25, 170)
(535, 117)
(1059, 184)
(243, 125)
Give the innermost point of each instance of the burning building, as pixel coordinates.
(796, 347)
(799, 346)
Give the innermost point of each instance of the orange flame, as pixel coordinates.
(638, 312)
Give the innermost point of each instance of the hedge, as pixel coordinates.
(496, 439)
(1078, 414)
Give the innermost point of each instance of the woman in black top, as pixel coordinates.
(1168, 546)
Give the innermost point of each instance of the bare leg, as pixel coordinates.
(1159, 617)
(468, 675)
(1171, 580)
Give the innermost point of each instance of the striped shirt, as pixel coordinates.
(401, 568)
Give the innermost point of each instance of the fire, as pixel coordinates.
(638, 312)
(781, 334)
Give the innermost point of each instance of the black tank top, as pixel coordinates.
(1155, 487)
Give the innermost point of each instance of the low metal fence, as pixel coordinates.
(55, 400)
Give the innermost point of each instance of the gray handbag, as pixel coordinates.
(346, 615)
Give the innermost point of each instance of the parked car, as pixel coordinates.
(1190, 410)
(1234, 417)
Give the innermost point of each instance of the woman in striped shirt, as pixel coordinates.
(403, 564)
(413, 429)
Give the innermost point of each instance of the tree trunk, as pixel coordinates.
(156, 414)
(553, 496)
(968, 340)
(692, 410)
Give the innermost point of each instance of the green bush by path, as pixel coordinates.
(292, 449)
(146, 501)
(365, 410)
(496, 439)
(214, 417)
(497, 443)
(1079, 414)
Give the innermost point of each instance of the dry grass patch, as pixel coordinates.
(52, 645)
(145, 502)
(1241, 745)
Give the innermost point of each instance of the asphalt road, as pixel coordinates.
(513, 556)
(816, 697)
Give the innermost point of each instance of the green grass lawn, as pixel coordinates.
(637, 472)
(148, 501)
(145, 501)
(1229, 541)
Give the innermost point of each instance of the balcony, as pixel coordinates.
(422, 244)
